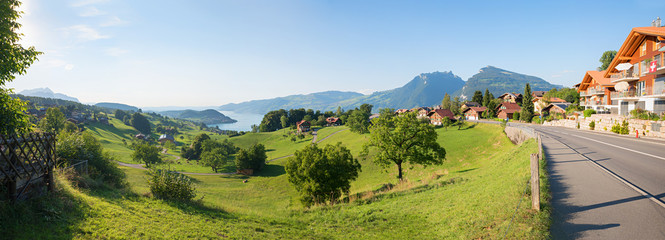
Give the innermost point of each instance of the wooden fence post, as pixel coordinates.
(535, 182)
(540, 147)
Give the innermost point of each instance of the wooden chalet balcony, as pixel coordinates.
(657, 92)
(626, 76)
(660, 65)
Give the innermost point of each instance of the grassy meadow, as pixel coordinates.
(473, 195)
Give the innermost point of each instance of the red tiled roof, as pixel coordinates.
(476, 109)
(443, 113)
(510, 105)
(509, 110)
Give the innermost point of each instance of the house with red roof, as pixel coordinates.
(506, 110)
(436, 116)
(474, 113)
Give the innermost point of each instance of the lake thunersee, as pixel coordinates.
(244, 121)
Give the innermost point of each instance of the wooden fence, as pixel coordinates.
(26, 164)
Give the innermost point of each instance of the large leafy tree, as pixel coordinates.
(147, 154)
(322, 175)
(140, 123)
(606, 59)
(527, 105)
(54, 121)
(445, 103)
(14, 60)
(477, 97)
(403, 139)
(215, 158)
(252, 158)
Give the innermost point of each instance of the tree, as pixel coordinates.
(445, 103)
(284, 121)
(140, 123)
(526, 114)
(358, 122)
(322, 175)
(71, 127)
(197, 146)
(606, 59)
(214, 158)
(120, 114)
(446, 122)
(54, 120)
(456, 105)
(403, 139)
(477, 97)
(486, 98)
(14, 60)
(252, 158)
(147, 154)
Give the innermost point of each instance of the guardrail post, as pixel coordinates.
(535, 182)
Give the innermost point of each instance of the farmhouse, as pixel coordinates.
(470, 104)
(166, 138)
(333, 121)
(303, 126)
(474, 113)
(539, 102)
(556, 108)
(436, 116)
(511, 97)
(507, 109)
(422, 111)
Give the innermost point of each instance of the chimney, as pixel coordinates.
(658, 22)
(653, 23)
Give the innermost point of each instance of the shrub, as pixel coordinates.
(620, 128)
(516, 115)
(171, 185)
(537, 120)
(578, 125)
(644, 115)
(73, 147)
(589, 112)
(252, 158)
(592, 125)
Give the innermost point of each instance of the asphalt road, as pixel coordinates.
(604, 186)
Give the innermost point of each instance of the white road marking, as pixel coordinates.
(620, 147)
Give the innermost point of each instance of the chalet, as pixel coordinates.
(303, 126)
(333, 121)
(140, 136)
(470, 104)
(638, 71)
(436, 116)
(166, 138)
(474, 113)
(506, 110)
(539, 94)
(511, 97)
(595, 92)
(401, 111)
(553, 108)
(422, 111)
(539, 102)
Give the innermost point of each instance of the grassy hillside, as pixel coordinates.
(472, 195)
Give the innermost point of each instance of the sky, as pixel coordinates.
(151, 53)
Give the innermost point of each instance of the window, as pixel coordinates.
(643, 49)
(655, 45)
(641, 87)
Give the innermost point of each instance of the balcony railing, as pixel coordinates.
(657, 90)
(627, 75)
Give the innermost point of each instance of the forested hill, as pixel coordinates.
(208, 116)
(120, 106)
(426, 89)
(500, 81)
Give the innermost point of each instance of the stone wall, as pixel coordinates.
(604, 123)
(518, 135)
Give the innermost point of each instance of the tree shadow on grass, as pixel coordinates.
(270, 170)
(469, 127)
(466, 170)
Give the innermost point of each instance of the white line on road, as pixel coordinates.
(609, 144)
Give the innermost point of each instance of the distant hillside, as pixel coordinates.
(120, 106)
(319, 101)
(500, 81)
(208, 116)
(47, 93)
(426, 89)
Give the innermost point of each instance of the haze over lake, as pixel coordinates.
(244, 121)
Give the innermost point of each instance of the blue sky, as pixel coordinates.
(208, 53)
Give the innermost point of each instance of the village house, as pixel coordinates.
(638, 71)
(506, 110)
(303, 126)
(436, 116)
(539, 94)
(422, 111)
(595, 92)
(333, 121)
(166, 138)
(474, 113)
(540, 102)
(140, 136)
(556, 108)
(401, 111)
(511, 97)
(470, 104)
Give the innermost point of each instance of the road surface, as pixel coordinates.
(604, 186)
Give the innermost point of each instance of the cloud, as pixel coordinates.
(115, 52)
(114, 21)
(81, 3)
(84, 33)
(91, 12)
(58, 63)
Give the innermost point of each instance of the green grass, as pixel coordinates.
(472, 195)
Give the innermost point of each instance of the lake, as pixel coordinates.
(244, 121)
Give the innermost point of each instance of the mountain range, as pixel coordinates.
(47, 93)
(426, 89)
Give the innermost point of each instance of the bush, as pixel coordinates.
(592, 125)
(74, 147)
(620, 128)
(589, 112)
(516, 115)
(644, 115)
(578, 125)
(171, 185)
(252, 158)
(537, 120)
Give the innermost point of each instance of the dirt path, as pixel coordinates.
(140, 166)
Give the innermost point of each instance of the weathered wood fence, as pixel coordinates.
(26, 164)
